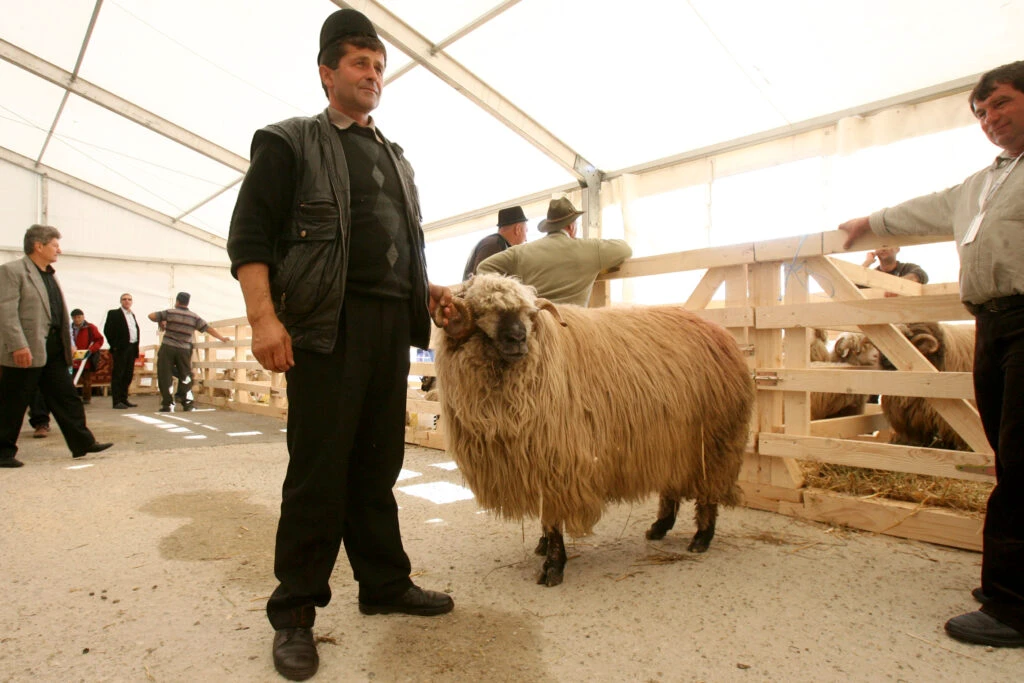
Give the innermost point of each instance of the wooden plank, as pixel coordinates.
(875, 278)
(427, 438)
(738, 316)
(257, 387)
(855, 380)
(228, 364)
(705, 289)
(697, 259)
(846, 427)
(934, 525)
(863, 312)
(832, 241)
(423, 369)
(254, 408)
(767, 497)
(931, 461)
(788, 248)
(415, 405)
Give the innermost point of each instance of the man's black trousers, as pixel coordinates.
(346, 443)
(122, 371)
(999, 391)
(17, 387)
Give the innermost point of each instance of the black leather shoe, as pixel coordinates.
(10, 462)
(130, 404)
(414, 601)
(979, 595)
(981, 629)
(95, 448)
(295, 655)
(165, 409)
(120, 406)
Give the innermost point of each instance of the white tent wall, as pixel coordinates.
(109, 250)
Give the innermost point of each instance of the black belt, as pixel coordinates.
(997, 305)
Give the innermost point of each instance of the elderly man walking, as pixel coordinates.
(35, 348)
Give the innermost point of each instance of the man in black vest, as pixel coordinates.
(511, 232)
(122, 332)
(326, 244)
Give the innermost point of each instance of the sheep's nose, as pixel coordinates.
(514, 333)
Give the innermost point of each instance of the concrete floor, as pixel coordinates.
(152, 561)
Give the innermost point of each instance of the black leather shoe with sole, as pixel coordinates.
(95, 448)
(981, 629)
(415, 601)
(295, 655)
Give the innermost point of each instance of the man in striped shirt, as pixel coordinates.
(175, 356)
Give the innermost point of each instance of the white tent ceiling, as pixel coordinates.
(156, 101)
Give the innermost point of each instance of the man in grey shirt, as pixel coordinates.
(984, 214)
(174, 359)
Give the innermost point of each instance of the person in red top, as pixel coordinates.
(86, 336)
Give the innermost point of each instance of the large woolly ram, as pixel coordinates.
(555, 411)
(913, 420)
(851, 348)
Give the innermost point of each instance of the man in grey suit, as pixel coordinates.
(35, 348)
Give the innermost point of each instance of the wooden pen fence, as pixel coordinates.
(770, 310)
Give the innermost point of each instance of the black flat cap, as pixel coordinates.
(344, 22)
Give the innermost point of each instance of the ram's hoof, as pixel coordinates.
(700, 543)
(550, 576)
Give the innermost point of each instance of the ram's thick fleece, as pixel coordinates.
(914, 422)
(620, 403)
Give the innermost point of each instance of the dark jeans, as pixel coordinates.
(122, 370)
(173, 362)
(346, 443)
(999, 391)
(17, 385)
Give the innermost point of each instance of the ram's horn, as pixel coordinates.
(460, 324)
(545, 305)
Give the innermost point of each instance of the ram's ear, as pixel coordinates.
(460, 322)
(925, 343)
(545, 305)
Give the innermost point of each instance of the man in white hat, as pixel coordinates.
(560, 267)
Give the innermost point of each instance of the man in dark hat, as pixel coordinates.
(511, 232)
(327, 246)
(174, 359)
(560, 267)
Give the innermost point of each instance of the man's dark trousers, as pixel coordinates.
(171, 362)
(999, 391)
(346, 444)
(17, 385)
(122, 370)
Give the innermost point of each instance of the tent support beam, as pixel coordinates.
(47, 174)
(70, 82)
(439, 63)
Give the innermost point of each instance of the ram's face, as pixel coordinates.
(928, 338)
(500, 311)
(503, 311)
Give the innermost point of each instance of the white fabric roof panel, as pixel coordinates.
(621, 84)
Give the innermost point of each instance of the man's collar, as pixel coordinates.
(125, 310)
(344, 122)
